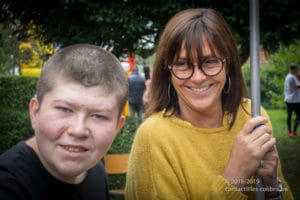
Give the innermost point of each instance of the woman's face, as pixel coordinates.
(199, 93)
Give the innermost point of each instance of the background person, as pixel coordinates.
(200, 141)
(292, 99)
(75, 115)
(136, 90)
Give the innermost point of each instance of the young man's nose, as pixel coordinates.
(78, 127)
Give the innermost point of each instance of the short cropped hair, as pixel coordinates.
(87, 64)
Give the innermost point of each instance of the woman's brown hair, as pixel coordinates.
(193, 28)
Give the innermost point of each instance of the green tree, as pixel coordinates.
(272, 75)
(131, 25)
(280, 62)
(8, 51)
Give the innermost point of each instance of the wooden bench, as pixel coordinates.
(116, 164)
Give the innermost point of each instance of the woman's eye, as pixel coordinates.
(211, 61)
(180, 64)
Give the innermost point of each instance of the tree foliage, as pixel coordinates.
(8, 47)
(132, 25)
(273, 74)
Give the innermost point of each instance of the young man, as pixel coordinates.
(75, 115)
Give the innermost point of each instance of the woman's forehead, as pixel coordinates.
(195, 51)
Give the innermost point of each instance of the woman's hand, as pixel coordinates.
(251, 145)
(268, 171)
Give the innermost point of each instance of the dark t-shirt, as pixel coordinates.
(22, 176)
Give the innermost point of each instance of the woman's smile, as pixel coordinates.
(200, 89)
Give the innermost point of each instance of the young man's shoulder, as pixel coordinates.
(16, 171)
(23, 176)
(19, 162)
(17, 153)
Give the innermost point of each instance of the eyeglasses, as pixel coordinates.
(210, 66)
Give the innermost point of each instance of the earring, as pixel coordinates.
(228, 83)
(169, 91)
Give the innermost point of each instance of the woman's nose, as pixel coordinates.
(198, 74)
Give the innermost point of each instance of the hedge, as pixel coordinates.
(16, 91)
(15, 94)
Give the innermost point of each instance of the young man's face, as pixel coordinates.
(74, 128)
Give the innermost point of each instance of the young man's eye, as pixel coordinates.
(98, 117)
(63, 109)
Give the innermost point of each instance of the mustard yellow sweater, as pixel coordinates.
(171, 159)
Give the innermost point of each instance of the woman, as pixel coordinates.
(200, 141)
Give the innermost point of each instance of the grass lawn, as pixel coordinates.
(288, 149)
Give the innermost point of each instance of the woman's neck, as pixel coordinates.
(212, 118)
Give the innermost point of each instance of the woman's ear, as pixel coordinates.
(33, 111)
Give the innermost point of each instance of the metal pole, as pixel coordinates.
(254, 57)
(255, 78)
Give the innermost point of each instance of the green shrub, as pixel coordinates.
(271, 86)
(124, 139)
(15, 94)
(16, 91)
(15, 126)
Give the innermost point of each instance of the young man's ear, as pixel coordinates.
(121, 122)
(33, 111)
